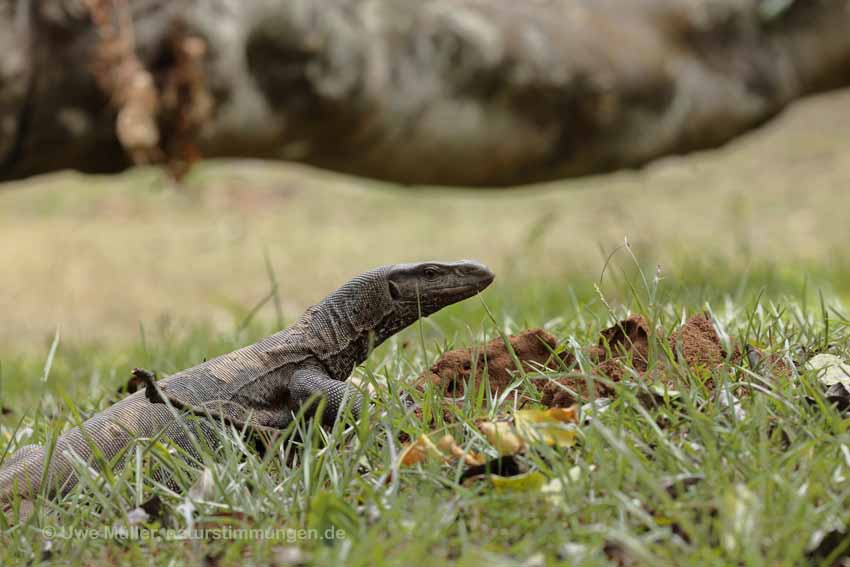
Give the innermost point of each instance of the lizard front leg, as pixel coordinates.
(308, 381)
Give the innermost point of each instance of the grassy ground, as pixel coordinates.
(134, 273)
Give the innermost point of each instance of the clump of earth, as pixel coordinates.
(623, 352)
(462, 368)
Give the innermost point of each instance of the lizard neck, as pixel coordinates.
(341, 328)
(364, 341)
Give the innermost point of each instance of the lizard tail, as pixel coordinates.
(21, 476)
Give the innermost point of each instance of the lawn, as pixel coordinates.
(733, 463)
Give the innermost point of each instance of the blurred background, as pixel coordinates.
(100, 256)
(258, 155)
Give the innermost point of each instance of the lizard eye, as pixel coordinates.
(431, 272)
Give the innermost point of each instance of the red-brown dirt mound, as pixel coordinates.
(697, 342)
(627, 341)
(623, 349)
(454, 370)
(623, 345)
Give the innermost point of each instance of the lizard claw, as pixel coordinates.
(149, 379)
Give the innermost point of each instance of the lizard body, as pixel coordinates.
(261, 385)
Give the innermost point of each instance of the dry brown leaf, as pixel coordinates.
(419, 451)
(447, 444)
(445, 450)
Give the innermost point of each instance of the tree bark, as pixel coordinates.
(449, 92)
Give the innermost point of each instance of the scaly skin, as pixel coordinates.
(262, 385)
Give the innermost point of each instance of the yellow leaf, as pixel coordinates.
(446, 449)
(416, 452)
(501, 435)
(553, 426)
(530, 481)
(447, 444)
(566, 415)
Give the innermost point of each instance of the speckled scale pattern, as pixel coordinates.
(251, 385)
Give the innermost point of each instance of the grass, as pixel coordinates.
(768, 483)
(133, 273)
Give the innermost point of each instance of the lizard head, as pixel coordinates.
(430, 286)
(374, 306)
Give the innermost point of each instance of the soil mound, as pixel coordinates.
(453, 372)
(697, 343)
(623, 351)
(622, 346)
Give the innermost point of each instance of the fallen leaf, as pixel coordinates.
(447, 444)
(527, 482)
(419, 451)
(547, 426)
(445, 450)
(502, 437)
(830, 369)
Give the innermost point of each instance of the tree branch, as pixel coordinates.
(452, 92)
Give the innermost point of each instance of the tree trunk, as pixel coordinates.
(450, 92)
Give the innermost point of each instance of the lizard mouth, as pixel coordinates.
(464, 289)
(447, 294)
